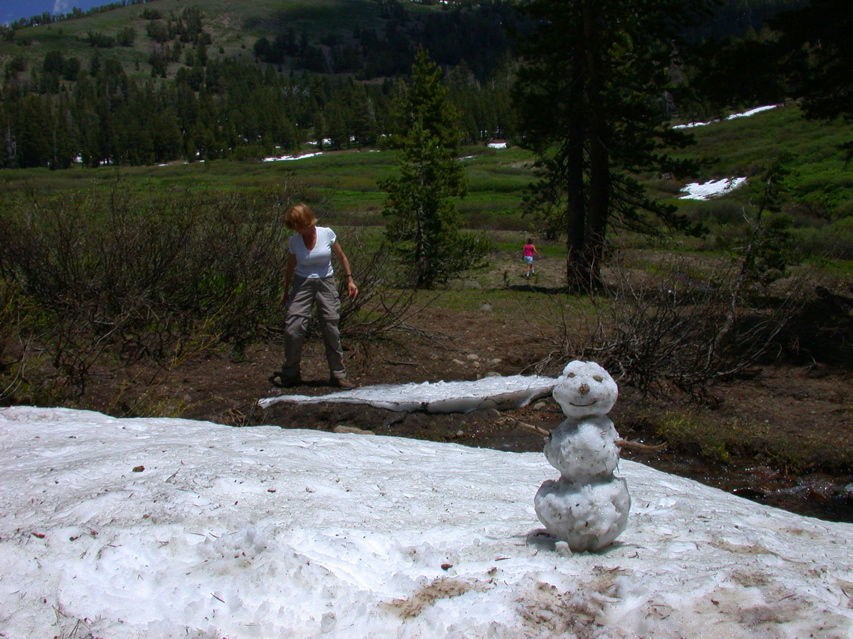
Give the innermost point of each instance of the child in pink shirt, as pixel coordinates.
(529, 252)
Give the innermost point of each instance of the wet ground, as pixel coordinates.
(818, 495)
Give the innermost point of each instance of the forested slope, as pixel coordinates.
(157, 81)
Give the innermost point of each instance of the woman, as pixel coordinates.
(309, 277)
(529, 252)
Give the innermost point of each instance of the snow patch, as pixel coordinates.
(733, 116)
(711, 189)
(284, 158)
(437, 397)
(163, 528)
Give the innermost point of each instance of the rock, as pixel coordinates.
(340, 428)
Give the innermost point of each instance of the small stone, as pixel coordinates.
(473, 356)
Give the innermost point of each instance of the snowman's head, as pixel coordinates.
(585, 388)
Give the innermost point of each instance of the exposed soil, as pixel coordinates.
(810, 408)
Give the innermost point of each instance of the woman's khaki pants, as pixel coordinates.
(306, 292)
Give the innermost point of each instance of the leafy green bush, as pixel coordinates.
(831, 241)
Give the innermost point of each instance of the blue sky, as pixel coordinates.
(11, 10)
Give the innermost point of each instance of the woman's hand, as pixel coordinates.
(338, 252)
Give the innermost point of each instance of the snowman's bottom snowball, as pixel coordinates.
(588, 516)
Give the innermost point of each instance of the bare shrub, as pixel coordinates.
(381, 305)
(121, 278)
(675, 327)
(15, 343)
(144, 278)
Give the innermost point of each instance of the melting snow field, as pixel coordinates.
(438, 397)
(164, 528)
(712, 189)
(285, 158)
(733, 116)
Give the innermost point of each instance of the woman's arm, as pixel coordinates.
(338, 252)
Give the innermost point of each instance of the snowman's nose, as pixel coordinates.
(584, 389)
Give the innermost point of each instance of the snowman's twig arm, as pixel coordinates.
(514, 423)
(632, 445)
(621, 443)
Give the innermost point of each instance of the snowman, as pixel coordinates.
(587, 506)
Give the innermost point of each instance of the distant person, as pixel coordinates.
(309, 280)
(529, 251)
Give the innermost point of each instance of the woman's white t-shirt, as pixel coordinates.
(318, 261)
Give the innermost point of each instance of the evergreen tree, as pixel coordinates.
(424, 229)
(819, 49)
(33, 133)
(588, 91)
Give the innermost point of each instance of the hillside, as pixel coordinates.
(320, 36)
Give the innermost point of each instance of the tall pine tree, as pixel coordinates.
(588, 94)
(818, 56)
(424, 229)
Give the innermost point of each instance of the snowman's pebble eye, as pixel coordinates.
(598, 378)
(570, 375)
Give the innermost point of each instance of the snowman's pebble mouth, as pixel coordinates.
(584, 405)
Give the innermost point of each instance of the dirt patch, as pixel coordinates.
(429, 594)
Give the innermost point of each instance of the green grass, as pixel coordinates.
(344, 185)
(348, 180)
(741, 147)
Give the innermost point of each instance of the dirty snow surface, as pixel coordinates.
(438, 397)
(164, 528)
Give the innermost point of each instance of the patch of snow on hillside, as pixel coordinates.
(711, 189)
(733, 116)
(292, 157)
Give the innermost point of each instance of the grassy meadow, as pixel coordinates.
(343, 185)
